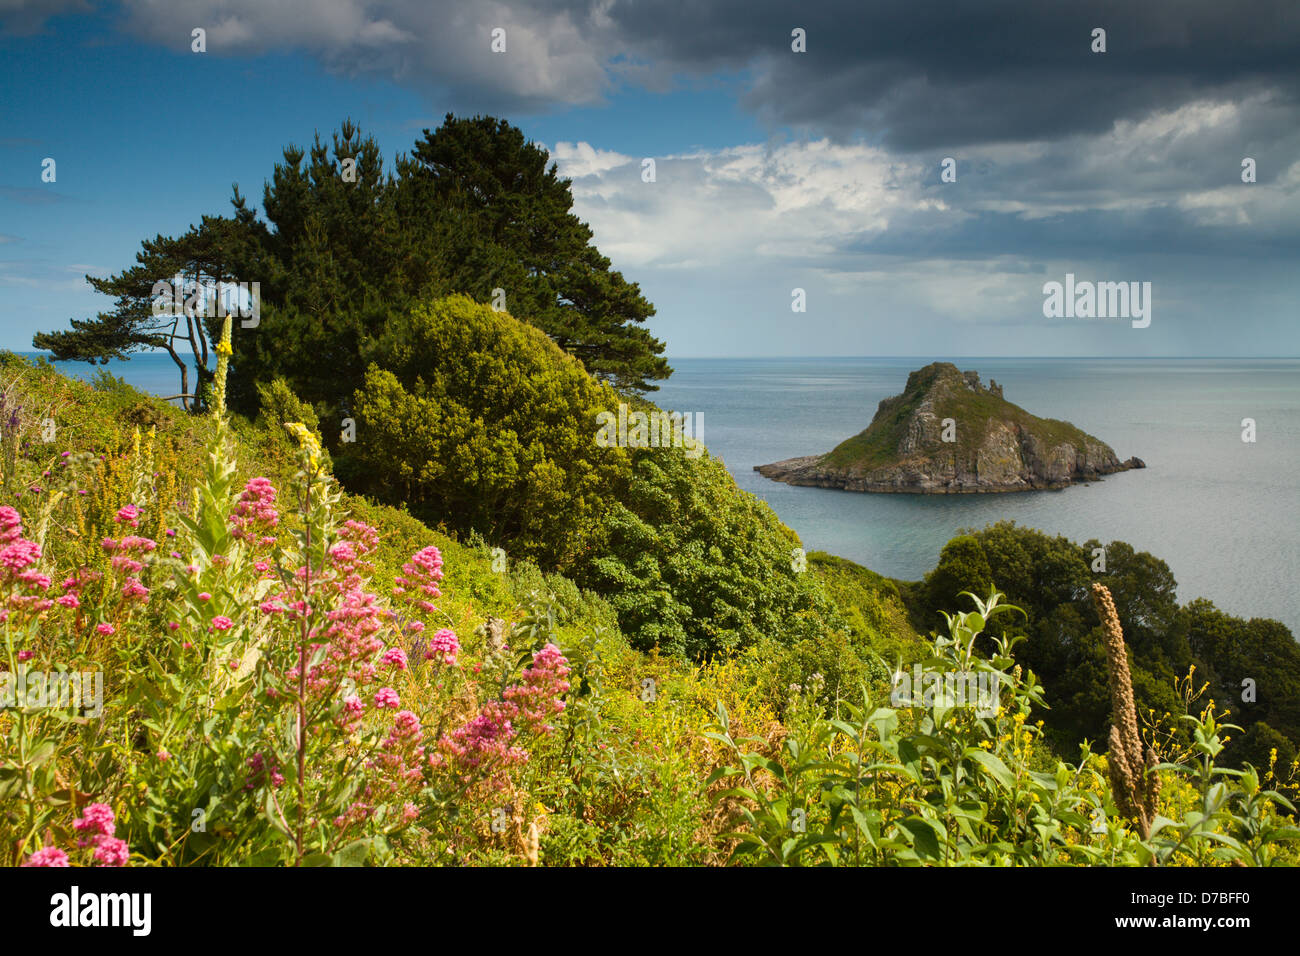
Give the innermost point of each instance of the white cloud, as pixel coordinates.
(549, 57)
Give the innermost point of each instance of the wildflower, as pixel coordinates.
(105, 629)
(537, 697)
(19, 555)
(112, 852)
(95, 821)
(205, 596)
(443, 645)
(134, 589)
(395, 657)
(49, 856)
(222, 623)
(26, 655)
(128, 515)
(387, 697)
(307, 442)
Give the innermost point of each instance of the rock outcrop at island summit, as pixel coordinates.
(995, 446)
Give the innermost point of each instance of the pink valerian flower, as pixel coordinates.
(443, 646)
(417, 584)
(128, 515)
(481, 745)
(348, 563)
(125, 564)
(258, 774)
(353, 815)
(399, 757)
(133, 589)
(349, 716)
(112, 852)
(542, 684)
(352, 637)
(18, 555)
(68, 600)
(95, 822)
(105, 629)
(222, 623)
(11, 524)
(255, 516)
(26, 585)
(34, 579)
(205, 596)
(26, 655)
(395, 657)
(49, 856)
(387, 697)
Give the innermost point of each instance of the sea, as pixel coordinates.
(1220, 511)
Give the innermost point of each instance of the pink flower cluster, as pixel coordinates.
(255, 518)
(259, 773)
(486, 741)
(49, 856)
(443, 646)
(97, 826)
(417, 584)
(543, 682)
(128, 515)
(27, 586)
(127, 559)
(399, 756)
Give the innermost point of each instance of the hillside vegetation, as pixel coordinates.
(455, 709)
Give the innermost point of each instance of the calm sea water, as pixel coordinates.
(1222, 513)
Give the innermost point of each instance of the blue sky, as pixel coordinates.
(774, 170)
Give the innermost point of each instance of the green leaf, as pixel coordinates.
(992, 765)
(925, 835)
(354, 854)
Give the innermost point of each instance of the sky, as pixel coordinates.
(775, 170)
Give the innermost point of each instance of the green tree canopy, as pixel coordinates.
(479, 422)
(698, 567)
(515, 231)
(199, 262)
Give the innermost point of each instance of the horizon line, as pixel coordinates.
(930, 356)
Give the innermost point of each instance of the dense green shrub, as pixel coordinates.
(695, 566)
(477, 421)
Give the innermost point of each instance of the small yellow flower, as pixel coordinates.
(306, 441)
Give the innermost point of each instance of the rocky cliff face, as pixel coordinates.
(948, 434)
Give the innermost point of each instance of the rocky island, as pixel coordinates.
(949, 434)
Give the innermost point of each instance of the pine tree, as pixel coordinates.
(515, 231)
(198, 263)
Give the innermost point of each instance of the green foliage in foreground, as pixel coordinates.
(939, 782)
(1049, 577)
(624, 779)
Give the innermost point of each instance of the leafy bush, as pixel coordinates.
(478, 421)
(935, 781)
(696, 567)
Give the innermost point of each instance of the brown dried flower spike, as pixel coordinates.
(1132, 777)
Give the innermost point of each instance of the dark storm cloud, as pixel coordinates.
(921, 76)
